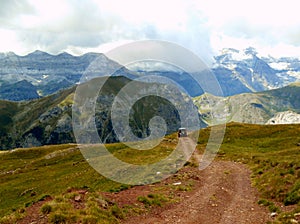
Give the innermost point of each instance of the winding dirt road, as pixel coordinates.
(222, 193)
(225, 196)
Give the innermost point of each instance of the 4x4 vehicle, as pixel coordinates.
(182, 132)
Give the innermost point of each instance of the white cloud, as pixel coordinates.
(9, 41)
(165, 15)
(199, 25)
(255, 12)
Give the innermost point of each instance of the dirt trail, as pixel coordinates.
(222, 193)
(225, 196)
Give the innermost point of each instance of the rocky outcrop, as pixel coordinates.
(286, 117)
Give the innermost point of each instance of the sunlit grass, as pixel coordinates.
(30, 175)
(273, 154)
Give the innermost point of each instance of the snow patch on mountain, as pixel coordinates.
(247, 69)
(279, 65)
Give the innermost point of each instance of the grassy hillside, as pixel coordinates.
(255, 108)
(289, 93)
(31, 175)
(48, 120)
(19, 119)
(273, 154)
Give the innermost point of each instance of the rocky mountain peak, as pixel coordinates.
(38, 54)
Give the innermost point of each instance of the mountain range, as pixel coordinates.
(246, 71)
(40, 74)
(38, 91)
(48, 120)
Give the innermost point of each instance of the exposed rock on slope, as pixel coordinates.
(255, 108)
(246, 71)
(48, 120)
(40, 74)
(287, 117)
(236, 71)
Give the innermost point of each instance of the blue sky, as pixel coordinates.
(203, 26)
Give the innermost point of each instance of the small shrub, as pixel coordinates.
(260, 171)
(144, 200)
(46, 209)
(291, 171)
(271, 206)
(152, 196)
(124, 187)
(184, 188)
(89, 220)
(121, 188)
(293, 197)
(158, 199)
(117, 212)
(58, 218)
(43, 197)
(28, 204)
(264, 202)
(152, 199)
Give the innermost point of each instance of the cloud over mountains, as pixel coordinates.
(201, 26)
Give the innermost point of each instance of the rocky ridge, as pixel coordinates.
(254, 108)
(236, 71)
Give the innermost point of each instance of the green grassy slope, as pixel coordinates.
(17, 118)
(28, 175)
(48, 120)
(256, 108)
(272, 153)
